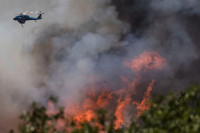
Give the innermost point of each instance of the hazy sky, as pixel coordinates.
(16, 70)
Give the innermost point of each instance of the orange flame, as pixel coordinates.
(147, 60)
(118, 101)
(122, 103)
(144, 104)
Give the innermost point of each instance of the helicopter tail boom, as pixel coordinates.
(40, 15)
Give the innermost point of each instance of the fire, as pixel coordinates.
(144, 104)
(147, 60)
(104, 98)
(85, 111)
(118, 101)
(121, 108)
(80, 113)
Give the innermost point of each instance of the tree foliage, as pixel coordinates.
(170, 114)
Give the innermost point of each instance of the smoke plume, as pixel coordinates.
(81, 43)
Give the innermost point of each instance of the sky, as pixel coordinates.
(16, 69)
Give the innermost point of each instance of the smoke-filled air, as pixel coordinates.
(92, 54)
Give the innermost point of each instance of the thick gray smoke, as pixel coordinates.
(83, 42)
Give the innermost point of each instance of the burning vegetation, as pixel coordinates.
(169, 114)
(120, 102)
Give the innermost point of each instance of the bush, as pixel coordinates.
(170, 114)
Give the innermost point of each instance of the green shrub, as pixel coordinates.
(170, 114)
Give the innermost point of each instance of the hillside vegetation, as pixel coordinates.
(170, 114)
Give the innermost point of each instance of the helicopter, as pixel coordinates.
(22, 18)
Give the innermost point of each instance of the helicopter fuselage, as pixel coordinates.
(23, 18)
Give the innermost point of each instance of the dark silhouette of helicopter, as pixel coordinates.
(22, 18)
